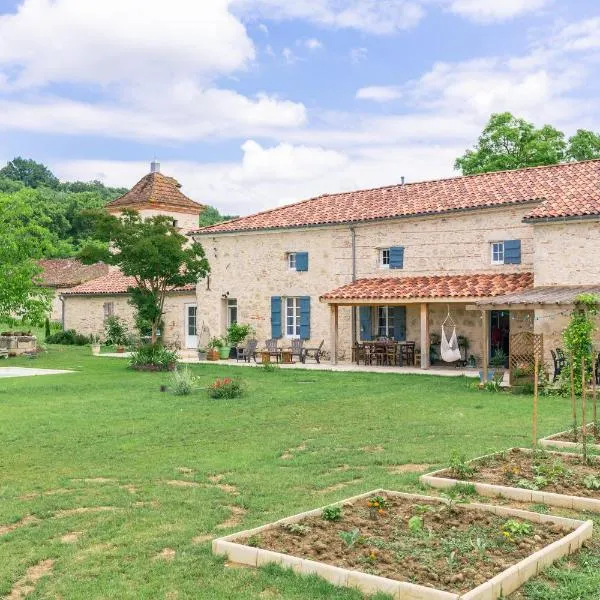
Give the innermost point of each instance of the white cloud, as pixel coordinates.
(358, 55)
(263, 28)
(379, 93)
(581, 36)
(487, 11)
(371, 16)
(313, 44)
(289, 56)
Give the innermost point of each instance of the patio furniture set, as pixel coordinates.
(281, 354)
(385, 352)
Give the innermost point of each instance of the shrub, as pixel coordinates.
(115, 331)
(69, 338)
(332, 513)
(226, 388)
(153, 358)
(237, 333)
(183, 382)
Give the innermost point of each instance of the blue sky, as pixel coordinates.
(255, 103)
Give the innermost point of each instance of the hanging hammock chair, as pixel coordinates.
(449, 350)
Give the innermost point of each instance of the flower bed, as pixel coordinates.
(566, 439)
(553, 478)
(412, 546)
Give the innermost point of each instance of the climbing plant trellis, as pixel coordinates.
(525, 346)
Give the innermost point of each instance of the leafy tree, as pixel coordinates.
(23, 241)
(211, 216)
(29, 173)
(584, 145)
(511, 143)
(151, 251)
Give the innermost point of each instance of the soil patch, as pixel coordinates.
(167, 554)
(338, 486)
(408, 468)
(237, 513)
(373, 449)
(71, 538)
(24, 586)
(423, 542)
(33, 495)
(95, 480)
(201, 539)
(28, 520)
(82, 510)
(181, 483)
(558, 473)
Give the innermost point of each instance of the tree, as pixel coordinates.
(211, 216)
(152, 252)
(29, 173)
(511, 143)
(584, 145)
(23, 241)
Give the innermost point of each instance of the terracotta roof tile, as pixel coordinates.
(478, 285)
(156, 190)
(565, 190)
(67, 272)
(113, 282)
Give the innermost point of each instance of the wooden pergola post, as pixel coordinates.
(334, 325)
(485, 344)
(425, 343)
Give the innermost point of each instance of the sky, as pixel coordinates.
(252, 104)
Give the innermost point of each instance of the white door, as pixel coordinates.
(191, 331)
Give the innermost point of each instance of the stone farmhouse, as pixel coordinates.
(500, 252)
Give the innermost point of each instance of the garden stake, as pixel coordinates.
(583, 422)
(535, 401)
(573, 406)
(594, 402)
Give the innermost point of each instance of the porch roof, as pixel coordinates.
(436, 288)
(538, 297)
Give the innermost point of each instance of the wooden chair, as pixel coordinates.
(379, 352)
(273, 349)
(391, 351)
(298, 350)
(408, 353)
(315, 353)
(247, 352)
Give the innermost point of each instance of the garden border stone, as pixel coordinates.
(578, 503)
(549, 442)
(501, 585)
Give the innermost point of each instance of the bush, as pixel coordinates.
(183, 382)
(115, 331)
(226, 388)
(69, 338)
(153, 358)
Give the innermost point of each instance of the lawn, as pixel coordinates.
(138, 480)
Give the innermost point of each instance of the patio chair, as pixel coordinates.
(247, 352)
(391, 354)
(273, 349)
(408, 353)
(298, 350)
(556, 364)
(315, 353)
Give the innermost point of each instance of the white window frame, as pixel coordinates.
(383, 314)
(291, 310)
(384, 255)
(231, 303)
(497, 253)
(291, 260)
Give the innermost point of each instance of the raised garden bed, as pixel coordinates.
(566, 439)
(411, 546)
(553, 478)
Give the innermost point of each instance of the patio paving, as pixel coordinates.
(27, 372)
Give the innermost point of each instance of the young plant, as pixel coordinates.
(226, 388)
(350, 538)
(517, 528)
(459, 466)
(592, 482)
(183, 382)
(296, 528)
(415, 525)
(377, 506)
(332, 513)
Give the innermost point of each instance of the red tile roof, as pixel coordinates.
(565, 190)
(113, 282)
(67, 272)
(478, 285)
(157, 191)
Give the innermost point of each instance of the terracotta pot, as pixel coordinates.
(212, 354)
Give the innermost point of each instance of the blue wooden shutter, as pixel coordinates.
(399, 315)
(301, 261)
(366, 325)
(305, 318)
(512, 252)
(397, 257)
(275, 317)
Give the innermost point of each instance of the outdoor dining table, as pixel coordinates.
(373, 348)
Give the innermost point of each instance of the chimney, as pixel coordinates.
(154, 167)
(402, 180)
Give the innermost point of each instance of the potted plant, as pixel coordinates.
(214, 345)
(236, 334)
(224, 349)
(116, 332)
(497, 366)
(472, 361)
(95, 344)
(202, 353)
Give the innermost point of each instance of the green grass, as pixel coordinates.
(334, 428)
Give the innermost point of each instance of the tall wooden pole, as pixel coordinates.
(594, 400)
(535, 400)
(583, 417)
(573, 405)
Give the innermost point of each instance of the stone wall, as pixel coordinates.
(566, 253)
(85, 314)
(251, 267)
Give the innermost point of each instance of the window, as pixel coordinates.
(497, 253)
(292, 261)
(292, 317)
(175, 222)
(191, 320)
(384, 258)
(385, 322)
(109, 309)
(232, 311)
